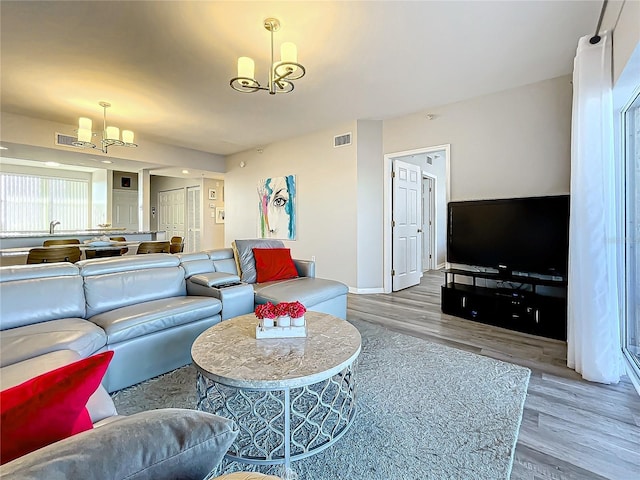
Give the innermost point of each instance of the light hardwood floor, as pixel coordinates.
(571, 429)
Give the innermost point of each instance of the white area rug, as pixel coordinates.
(425, 411)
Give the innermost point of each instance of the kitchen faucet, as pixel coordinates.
(52, 225)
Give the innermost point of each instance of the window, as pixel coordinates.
(30, 202)
(631, 329)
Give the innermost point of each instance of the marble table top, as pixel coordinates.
(229, 353)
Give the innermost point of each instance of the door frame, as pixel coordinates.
(387, 197)
(433, 227)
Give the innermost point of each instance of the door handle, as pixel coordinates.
(419, 230)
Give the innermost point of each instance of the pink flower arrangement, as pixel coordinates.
(269, 310)
(265, 311)
(296, 309)
(282, 309)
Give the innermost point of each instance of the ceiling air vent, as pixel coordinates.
(342, 140)
(65, 140)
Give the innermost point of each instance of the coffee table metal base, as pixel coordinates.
(281, 425)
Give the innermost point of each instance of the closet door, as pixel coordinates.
(171, 212)
(194, 220)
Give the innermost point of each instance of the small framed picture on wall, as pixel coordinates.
(219, 215)
(213, 195)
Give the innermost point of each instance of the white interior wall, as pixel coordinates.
(509, 144)
(623, 17)
(327, 198)
(370, 236)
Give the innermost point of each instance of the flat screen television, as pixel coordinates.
(512, 234)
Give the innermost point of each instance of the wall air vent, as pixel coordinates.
(65, 140)
(429, 160)
(342, 140)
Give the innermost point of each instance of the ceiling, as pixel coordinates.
(165, 66)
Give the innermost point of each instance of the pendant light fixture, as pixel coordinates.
(281, 74)
(110, 134)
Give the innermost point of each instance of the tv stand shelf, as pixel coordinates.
(526, 310)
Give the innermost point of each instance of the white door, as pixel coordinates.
(171, 212)
(428, 222)
(192, 242)
(407, 222)
(124, 213)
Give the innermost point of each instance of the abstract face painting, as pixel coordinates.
(277, 217)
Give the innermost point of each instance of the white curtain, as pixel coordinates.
(593, 331)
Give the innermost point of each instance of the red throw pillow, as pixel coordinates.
(274, 264)
(49, 407)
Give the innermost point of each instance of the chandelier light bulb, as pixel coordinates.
(127, 136)
(113, 133)
(289, 54)
(246, 68)
(84, 123)
(84, 135)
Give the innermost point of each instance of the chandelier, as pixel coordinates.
(281, 73)
(110, 134)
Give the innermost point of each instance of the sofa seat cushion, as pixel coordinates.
(308, 291)
(21, 343)
(144, 318)
(165, 443)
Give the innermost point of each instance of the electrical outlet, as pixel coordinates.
(213, 214)
(313, 258)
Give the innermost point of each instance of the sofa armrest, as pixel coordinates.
(306, 268)
(158, 444)
(214, 279)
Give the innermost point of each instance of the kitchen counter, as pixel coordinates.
(14, 246)
(113, 232)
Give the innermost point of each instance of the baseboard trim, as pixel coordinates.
(364, 291)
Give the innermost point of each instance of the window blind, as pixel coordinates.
(30, 202)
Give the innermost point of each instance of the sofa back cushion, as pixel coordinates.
(112, 283)
(246, 260)
(224, 260)
(37, 293)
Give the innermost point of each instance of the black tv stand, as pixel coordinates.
(536, 305)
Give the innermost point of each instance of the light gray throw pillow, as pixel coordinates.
(170, 443)
(246, 260)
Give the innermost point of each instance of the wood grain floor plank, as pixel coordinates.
(571, 429)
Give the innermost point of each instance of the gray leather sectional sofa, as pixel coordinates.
(148, 309)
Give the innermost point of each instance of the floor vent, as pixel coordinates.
(65, 140)
(342, 140)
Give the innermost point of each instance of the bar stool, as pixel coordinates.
(176, 245)
(123, 250)
(58, 254)
(61, 241)
(154, 247)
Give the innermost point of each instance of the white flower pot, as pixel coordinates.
(284, 321)
(267, 322)
(298, 322)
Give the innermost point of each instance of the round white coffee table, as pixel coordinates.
(290, 397)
